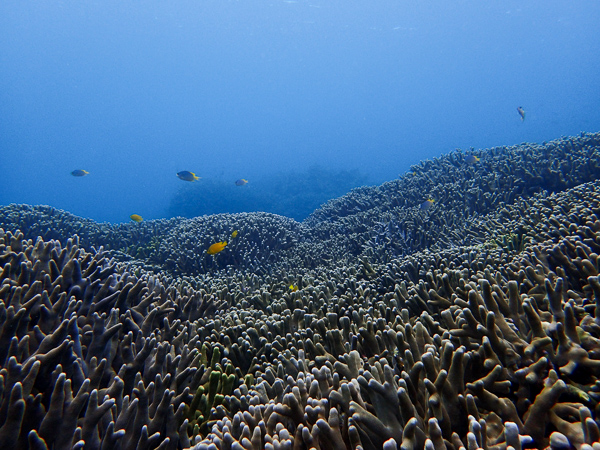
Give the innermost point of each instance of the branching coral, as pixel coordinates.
(468, 346)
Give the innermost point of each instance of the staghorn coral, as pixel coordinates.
(469, 346)
(91, 353)
(476, 330)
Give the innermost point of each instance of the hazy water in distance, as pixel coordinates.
(134, 92)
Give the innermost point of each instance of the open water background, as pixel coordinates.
(134, 92)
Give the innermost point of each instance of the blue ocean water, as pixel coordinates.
(134, 92)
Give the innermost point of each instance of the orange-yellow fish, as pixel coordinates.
(136, 218)
(216, 248)
(234, 233)
(293, 287)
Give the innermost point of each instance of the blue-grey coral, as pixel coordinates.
(481, 333)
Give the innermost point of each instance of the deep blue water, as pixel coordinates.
(134, 92)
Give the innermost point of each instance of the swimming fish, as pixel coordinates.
(187, 176)
(521, 112)
(241, 182)
(216, 248)
(293, 287)
(427, 204)
(471, 159)
(136, 218)
(79, 173)
(234, 233)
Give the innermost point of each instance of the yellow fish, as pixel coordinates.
(136, 218)
(293, 287)
(216, 248)
(234, 234)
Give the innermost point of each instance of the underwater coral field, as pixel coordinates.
(373, 324)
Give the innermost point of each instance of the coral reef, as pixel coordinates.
(92, 353)
(137, 240)
(381, 223)
(486, 337)
(384, 222)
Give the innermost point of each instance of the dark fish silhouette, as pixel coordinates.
(471, 159)
(427, 204)
(187, 176)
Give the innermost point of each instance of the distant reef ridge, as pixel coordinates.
(455, 307)
(294, 194)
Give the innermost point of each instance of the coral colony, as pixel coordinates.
(472, 324)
